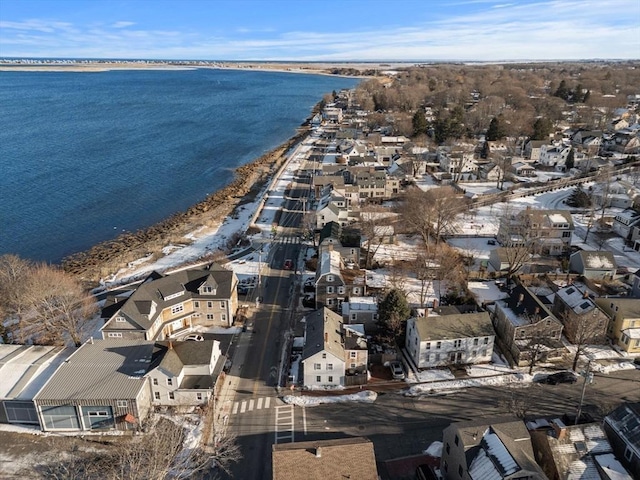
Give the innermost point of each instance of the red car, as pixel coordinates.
(288, 264)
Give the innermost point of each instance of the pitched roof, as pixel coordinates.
(463, 325)
(173, 356)
(318, 323)
(597, 260)
(352, 458)
(626, 421)
(103, 369)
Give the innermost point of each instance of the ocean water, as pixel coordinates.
(85, 156)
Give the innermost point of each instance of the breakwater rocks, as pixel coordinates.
(106, 258)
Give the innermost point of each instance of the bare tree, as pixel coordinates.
(59, 307)
(14, 275)
(583, 330)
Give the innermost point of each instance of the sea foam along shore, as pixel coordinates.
(106, 258)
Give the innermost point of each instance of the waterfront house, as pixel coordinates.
(165, 306)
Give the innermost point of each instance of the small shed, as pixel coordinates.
(593, 264)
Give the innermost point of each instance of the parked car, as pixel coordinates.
(397, 372)
(560, 377)
(491, 241)
(288, 264)
(194, 337)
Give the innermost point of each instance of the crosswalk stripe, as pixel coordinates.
(235, 408)
(267, 401)
(259, 405)
(251, 402)
(243, 407)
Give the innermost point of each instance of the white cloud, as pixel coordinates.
(123, 24)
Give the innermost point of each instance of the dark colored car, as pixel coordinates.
(560, 377)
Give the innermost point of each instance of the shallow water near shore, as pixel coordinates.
(86, 156)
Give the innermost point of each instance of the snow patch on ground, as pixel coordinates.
(366, 396)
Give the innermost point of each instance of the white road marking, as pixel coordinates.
(251, 402)
(243, 407)
(235, 407)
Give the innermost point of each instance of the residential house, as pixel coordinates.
(386, 155)
(24, 369)
(544, 231)
(554, 155)
(325, 183)
(624, 142)
(624, 222)
(333, 208)
(332, 114)
(589, 140)
(624, 322)
(574, 451)
(164, 306)
(356, 354)
(623, 429)
(583, 321)
(533, 148)
(525, 328)
(460, 164)
(458, 339)
(185, 373)
(635, 285)
(480, 450)
(361, 310)
(101, 386)
(331, 289)
(375, 185)
(491, 172)
(593, 264)
(523, 169)
(346, 458)
(612, 194)
(344, 241)
(323, 354)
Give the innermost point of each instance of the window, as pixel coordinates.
(329, 366)
(199, 396)
(457, 343)
(354, 316)
(177, 308)
(170, 381)
(156, 395)
(209, 304)
(317, 366)
(155, 381)
(172, 396)
(628, 454)
(437, 357)
(223, 304)
(353, 354)
(438, 344)
(475, 342)
(210, 316)
(207, 289)
(356, 290)
(120, 319)
(196, 304)
(484, 352)
(486, 340)
(427, 345)
(329, 289)
(115, 335)
(474, 353)
(340, 290)
(353, 365)
(324, 355)
(122, 403)
(330, 378)
(329, 278)
(318, 378)
(223, 317)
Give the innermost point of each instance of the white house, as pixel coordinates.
(553, 156)
(186, 372)
(323, 353)
(624, 222)
(437, 341)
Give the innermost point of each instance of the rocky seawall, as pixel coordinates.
(106, 258)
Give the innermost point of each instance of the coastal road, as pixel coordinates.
(254, 416)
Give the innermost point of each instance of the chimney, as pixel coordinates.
(318, 452)
(559, 428)
(91, 340)
(326, 337)
(435, 303)
(585, 294)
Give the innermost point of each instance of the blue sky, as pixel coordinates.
(327, 30)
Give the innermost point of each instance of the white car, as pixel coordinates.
(397, 371)
(194, 337)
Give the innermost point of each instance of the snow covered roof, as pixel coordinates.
(576, 300)
(597, 260)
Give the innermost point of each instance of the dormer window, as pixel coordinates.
(329, 278)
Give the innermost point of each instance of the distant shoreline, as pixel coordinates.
(283, 67)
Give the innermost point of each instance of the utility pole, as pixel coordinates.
(587, 379)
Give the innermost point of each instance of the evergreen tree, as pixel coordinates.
(419, 122)
(563, 91)
(570, 161)
(495, 131)
(542, 127)
(393, 312)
